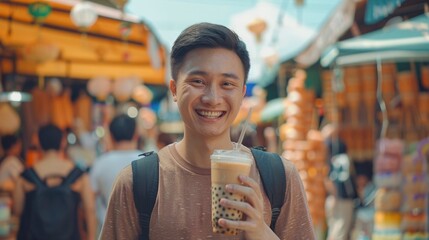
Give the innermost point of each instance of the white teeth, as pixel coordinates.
(210, 114)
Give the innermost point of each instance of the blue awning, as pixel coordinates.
(405, 41)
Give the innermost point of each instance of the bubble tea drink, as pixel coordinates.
(226, 166)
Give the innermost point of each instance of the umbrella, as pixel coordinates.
(273, 109)
(405, 41)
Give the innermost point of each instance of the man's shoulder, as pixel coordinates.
(125, 177)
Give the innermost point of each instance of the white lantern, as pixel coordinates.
(123, 88)
(83, 15)
(54, 87)
(142, 94)
(100, 87)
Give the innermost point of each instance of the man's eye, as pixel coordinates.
(198, 81)
(228, 84)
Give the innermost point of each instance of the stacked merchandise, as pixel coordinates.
(350, 102)
(408, 89)
(388, 179)
(415, 190)
(305, 147)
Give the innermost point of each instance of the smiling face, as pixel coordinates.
(209, 90)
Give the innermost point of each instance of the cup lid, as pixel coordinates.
(231, 155)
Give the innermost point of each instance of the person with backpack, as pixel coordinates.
(340, 185)
(210, 65)
(49, 195)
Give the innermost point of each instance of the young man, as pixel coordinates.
(209, 69)
(107, 167)
(52, 170)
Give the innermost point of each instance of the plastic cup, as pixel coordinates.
(226, 166)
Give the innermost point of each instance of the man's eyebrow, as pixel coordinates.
(204, 73)
(198, 72)
(231, 75)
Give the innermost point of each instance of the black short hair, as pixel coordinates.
(8, 141)
(207, 35)
(122, 128)
(50, 137)
(336, 146)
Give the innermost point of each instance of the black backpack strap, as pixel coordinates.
(273, 177)
(72, 176)
(145, 188)
(31, 176)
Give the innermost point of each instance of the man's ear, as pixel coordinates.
(173, 89)
(244, 90)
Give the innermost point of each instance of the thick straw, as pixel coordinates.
(243, 131)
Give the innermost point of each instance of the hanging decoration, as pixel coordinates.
(39, 11)
(257, 26)
(154, 53)
(83, 15)
(40, 51)
(125, 30)
(142, 94)
(123, 88)
(99, 87)
(54, 87)
(10, 121)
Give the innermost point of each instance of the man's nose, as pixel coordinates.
(212, 96)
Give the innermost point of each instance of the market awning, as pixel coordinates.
(407, 41)
(102, 51)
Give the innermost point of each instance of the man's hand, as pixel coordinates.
(253, 225)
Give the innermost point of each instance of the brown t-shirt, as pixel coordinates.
(183, 206)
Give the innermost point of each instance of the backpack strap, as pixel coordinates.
(72, 176)
(31, 176)
(145, 188)
(273, 177)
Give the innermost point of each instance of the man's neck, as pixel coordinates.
(197, 151)
(125, 146)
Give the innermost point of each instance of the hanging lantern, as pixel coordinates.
(39, 11)
(9, 121)
(125, 30)
(123, 88)
(147, 118)
(257, 26)
(142, 95)
(40, 51)
(99, 87)
(54, 87)
(83, 15)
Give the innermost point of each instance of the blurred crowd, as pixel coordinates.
(56, 152)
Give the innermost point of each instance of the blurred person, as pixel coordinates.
(108, 165)
(340, 185)
(209, 66)
(48, 196)
(364, 217)
(11, 165)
